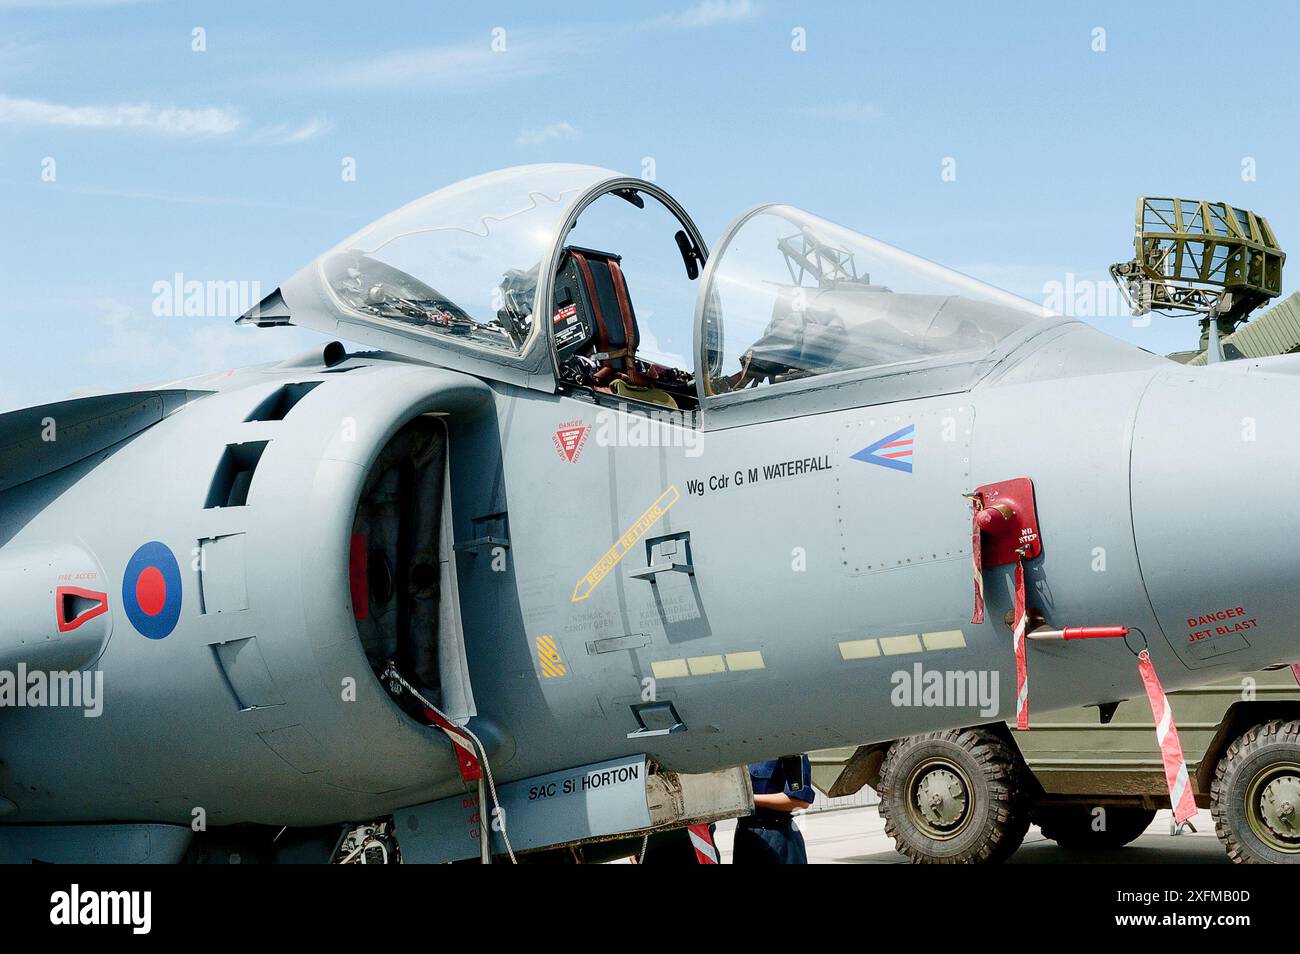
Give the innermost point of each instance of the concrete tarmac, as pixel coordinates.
(856, 836)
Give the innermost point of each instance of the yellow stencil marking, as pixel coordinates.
(901, 645)
(948, 639)
(625, 543)
(859, 649)
(897, 645)
(707, 665)
(739, 662)
(548, 657)
(704, 665)
(669, 668)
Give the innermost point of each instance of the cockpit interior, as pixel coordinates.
(623, 302)
(784, 296)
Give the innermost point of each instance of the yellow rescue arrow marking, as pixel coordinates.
(654, 513)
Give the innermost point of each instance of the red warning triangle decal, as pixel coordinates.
(570, 439)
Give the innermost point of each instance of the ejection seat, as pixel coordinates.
(596, 329)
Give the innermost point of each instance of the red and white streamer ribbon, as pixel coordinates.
(977, 560)
(706, 852)
(1018, 644)
(1295, 671)
(466, 758)
(1171, 749)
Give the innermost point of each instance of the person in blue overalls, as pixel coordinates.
(768, 837)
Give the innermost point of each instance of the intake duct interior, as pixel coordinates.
(394, 559)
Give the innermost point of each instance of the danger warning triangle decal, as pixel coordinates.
(569, 440)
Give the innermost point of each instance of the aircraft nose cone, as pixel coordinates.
(1216, 517)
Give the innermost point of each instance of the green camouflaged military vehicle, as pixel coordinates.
(1089, 778)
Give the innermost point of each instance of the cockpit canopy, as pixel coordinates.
(790, 295)
(461, 262)
(636, 309)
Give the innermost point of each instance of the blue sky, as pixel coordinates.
(224, 164)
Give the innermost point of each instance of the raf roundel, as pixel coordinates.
(151, 590)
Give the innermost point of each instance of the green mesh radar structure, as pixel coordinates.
(1197, 257)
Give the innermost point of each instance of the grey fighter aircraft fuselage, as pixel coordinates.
(770, 560)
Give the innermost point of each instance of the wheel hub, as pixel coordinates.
(941, 799)
(1279, 807)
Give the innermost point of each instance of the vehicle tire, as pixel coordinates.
(1255, 795)
(954, 797)
(1071, 826)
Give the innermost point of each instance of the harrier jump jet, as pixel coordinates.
(603, 514)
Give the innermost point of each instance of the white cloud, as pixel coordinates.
(527, 52)
(445, 67)
(709, 13)
(287, 135)
(167, 120)
(555, 132)
(212, 121)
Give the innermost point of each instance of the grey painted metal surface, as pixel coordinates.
(816, 573)
(98, 844)
(574, 806)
